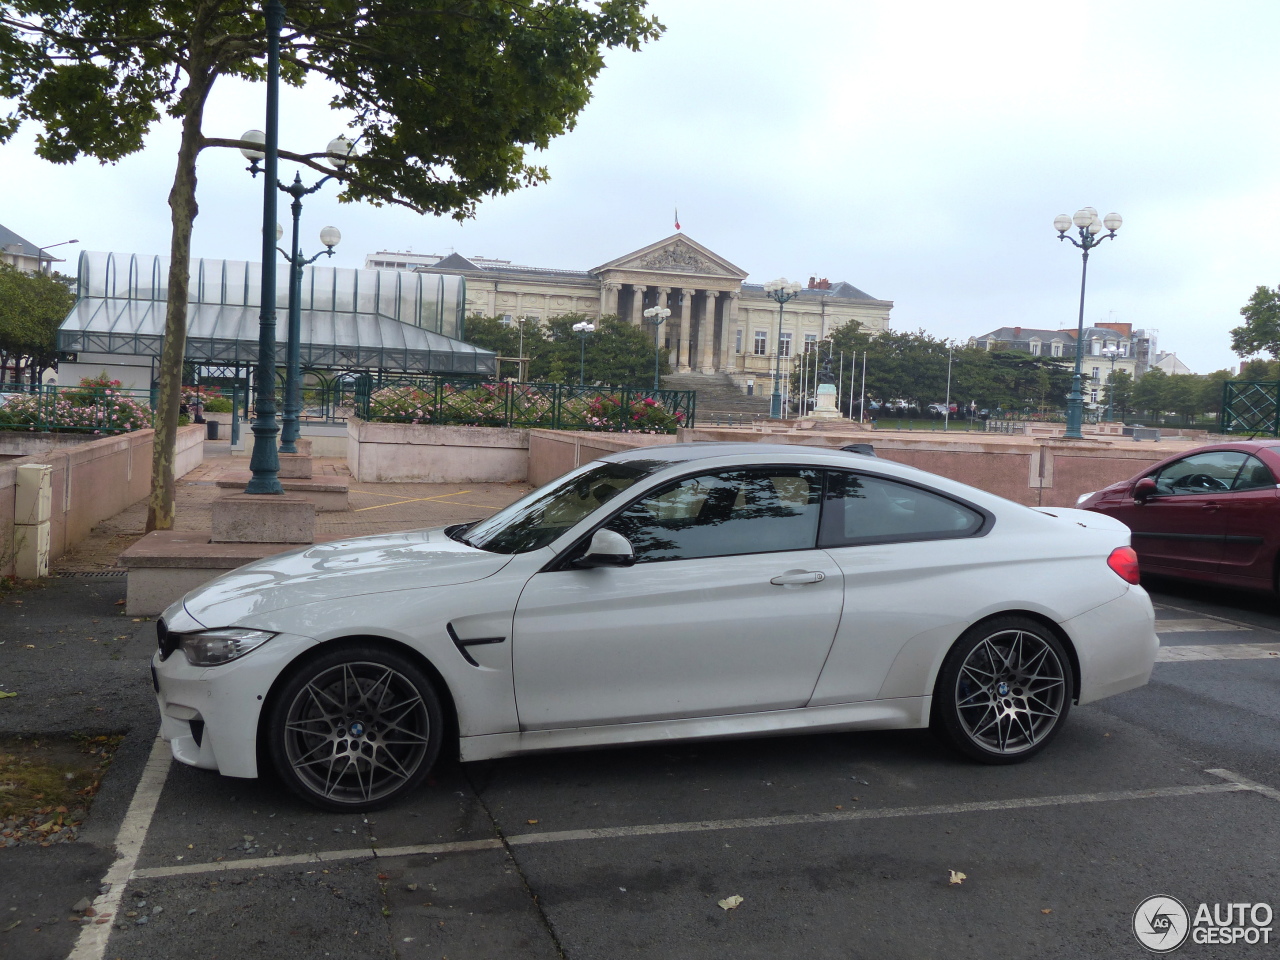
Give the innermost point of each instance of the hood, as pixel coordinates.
(340, 568)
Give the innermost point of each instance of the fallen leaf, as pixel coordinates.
(3, 695)
(531, 821)
(957, 877)
(1046, 910)
(730, 903)
(119, 603)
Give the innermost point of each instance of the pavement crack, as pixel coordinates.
(545, 920)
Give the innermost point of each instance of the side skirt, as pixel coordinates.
(906, 713)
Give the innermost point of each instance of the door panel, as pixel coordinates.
(680, 638)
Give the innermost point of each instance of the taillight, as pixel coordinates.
(1124, 562)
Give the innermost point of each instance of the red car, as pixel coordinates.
(1211, 514)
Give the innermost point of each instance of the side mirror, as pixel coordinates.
(606, 549)
(1144, 490)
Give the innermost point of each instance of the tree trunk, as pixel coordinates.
(183, 211)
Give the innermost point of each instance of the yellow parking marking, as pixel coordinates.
(437, 499)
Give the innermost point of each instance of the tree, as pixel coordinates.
(1182, 396)
(1149, 393)
(504, 339)
(32, 307)
(1120, 393)
(445, 97)
(1260, 332)
(617, 354)
(1210, 391)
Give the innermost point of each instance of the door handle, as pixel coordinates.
(1210, 506)
(804, 576)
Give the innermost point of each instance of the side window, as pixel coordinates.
(1254, 475)
(1212, 472)
(723, 514)
(865, 509)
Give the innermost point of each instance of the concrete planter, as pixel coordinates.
(398, 452)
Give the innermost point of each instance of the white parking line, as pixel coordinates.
(1206, 616)
(92, 942)
(1197, 626)
(1218, 651)
(1234, 784)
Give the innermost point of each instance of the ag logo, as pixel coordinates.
(1161, 924)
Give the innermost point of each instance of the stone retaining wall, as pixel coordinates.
(92, 480)
(405, 453)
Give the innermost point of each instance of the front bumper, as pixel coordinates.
(210, 715)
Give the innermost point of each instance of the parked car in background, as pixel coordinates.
(691, 591)
(1212, 514)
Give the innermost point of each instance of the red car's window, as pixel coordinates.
(1212, 472)
(1253, 475)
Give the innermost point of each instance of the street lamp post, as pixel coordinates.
(40, 257)
(264, 463)
(657, 316)
(583, 330)
(1110, 353)
(782, 292)
(330, 237)
(519, 322)
(338, 153)
(946, 413)
(1089, 227)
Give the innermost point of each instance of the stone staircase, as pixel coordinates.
(719, 399)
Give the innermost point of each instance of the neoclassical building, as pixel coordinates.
(718, 324)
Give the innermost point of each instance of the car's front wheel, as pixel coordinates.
(1004, 691)
(355, 728)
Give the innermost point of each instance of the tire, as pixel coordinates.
(355, 729)
(1004, 691)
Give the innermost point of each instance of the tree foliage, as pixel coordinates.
(32, 307)
(446, 98)
(911, 368)
(617, 354)
(1260, 332)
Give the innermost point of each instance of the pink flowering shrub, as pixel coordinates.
(97, 406)
(522, 405)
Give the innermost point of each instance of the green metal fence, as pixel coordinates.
(1250, 406)
(92, 410)
(557, 406)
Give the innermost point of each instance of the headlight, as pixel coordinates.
(212, 647)
(1083, 497)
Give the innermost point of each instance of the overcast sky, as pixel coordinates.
(919, 150)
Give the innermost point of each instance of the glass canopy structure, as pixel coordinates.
(351, 319)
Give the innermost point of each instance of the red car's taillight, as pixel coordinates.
(1125, 563)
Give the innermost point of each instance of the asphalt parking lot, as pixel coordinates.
(838, 845)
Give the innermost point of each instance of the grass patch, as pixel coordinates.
(52, 778)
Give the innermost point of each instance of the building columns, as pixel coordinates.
(663, 294)
(609, 298)
(707, 331)
(728, 333)
(682, 343)
(637, 303)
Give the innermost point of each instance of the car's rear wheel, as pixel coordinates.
(355, 728)
(1004, 691)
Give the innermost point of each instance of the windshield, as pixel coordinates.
(536, 520)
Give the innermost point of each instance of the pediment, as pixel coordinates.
(675, 255)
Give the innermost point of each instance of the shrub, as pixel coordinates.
(95, 406)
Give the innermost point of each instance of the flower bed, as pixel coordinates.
(555, 406)
(96, 406)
